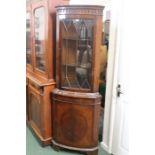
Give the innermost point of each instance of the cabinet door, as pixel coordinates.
(28, 38)
(35, 110)
(76, 38)
(40, 38)
(75, 121)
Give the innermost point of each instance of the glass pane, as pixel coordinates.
(76, 56)
(28, 39)
(40, 38)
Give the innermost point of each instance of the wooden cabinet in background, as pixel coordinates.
(40, 51)
(76, 101)
(40, 110)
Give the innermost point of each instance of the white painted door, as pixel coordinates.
(120, 143)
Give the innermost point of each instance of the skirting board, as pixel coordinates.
(105, 147)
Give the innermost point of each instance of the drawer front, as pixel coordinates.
(39, 89)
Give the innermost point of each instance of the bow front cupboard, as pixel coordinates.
(76, 101)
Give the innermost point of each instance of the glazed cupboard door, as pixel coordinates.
(76, 51)
(29, 39)
(39, 14)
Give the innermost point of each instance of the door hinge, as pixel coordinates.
(119, 91)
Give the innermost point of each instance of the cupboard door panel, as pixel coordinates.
(35, 110)
(72, 128)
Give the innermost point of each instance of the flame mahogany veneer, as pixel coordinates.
(76, 101)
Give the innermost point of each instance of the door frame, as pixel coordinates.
(112, 74)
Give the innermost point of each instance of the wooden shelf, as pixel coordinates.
(76, 39)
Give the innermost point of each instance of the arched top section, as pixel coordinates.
(80, 6)
(80, 9)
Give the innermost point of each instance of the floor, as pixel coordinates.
(34, 148)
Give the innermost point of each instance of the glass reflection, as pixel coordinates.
(76, 59)
(40, 38)
(28, 39)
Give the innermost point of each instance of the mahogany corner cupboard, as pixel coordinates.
(40, 50)
(76, 101)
